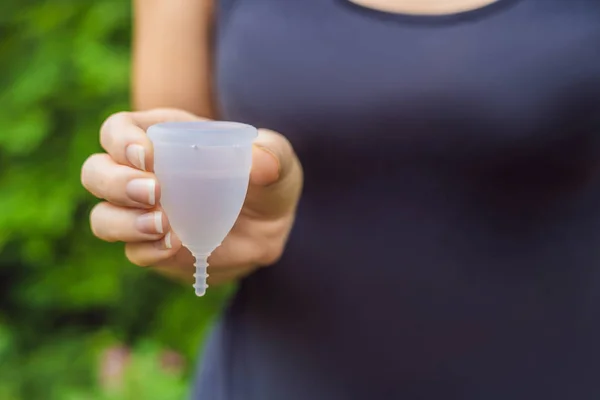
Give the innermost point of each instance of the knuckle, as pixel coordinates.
(281, 139)
(286, 143)
(107, 131)
(271, 253)
(133, 255)
(107, 183)
(109, 232)
(95, 218)
(93, 178)
(86, 169)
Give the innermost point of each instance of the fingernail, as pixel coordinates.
(167, 240)
(136, 155)
(150, 222)
(142, 190)
(272, 157)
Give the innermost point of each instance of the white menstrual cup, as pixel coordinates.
(203, 169)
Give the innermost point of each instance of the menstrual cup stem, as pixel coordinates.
(201, 274)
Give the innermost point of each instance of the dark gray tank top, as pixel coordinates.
(447, 244)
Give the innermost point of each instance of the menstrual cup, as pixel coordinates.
(203, 169)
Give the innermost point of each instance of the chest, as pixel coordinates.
(521, 81)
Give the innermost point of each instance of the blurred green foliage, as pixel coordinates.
(64, 295)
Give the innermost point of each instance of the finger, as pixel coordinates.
(230, 256)
(235, 252)
(181, 267)
(228, 261)
(112, 223)
(218, 277)
(276, 177)
(153, 253)
(272, 158)
(123, 135)
(119, 184)
(126, 142)
(147, 118)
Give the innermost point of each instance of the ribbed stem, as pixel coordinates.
(201, 275)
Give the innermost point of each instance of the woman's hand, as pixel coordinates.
(131, 212)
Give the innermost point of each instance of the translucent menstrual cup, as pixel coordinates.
(203, 169)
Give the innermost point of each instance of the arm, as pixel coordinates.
(171, 69)
(172, 55)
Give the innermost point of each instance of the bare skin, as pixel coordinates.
(172, 79)
(172, 55)
(424, 7)
(167, 89)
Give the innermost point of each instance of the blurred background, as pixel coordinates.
(77, 321)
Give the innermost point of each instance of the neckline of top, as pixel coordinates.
(468, 15)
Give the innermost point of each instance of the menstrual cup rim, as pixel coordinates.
(203, 133)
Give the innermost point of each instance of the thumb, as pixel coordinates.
(272, 158)
(276, 178)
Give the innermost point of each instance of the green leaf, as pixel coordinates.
(64, 294)
(22, 134)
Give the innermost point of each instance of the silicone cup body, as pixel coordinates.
(203, 168)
